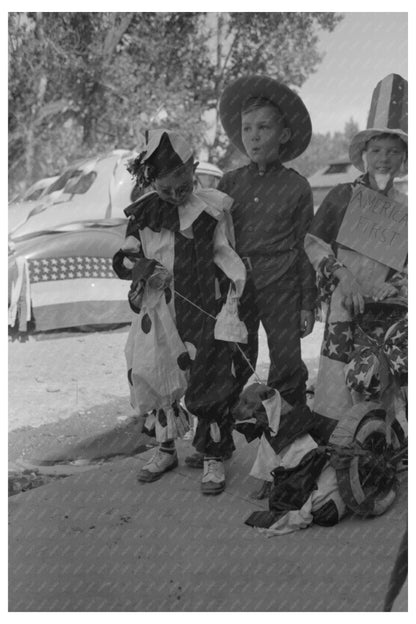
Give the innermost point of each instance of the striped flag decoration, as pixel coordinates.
(389, 104)
(65, 279)
(78, 290)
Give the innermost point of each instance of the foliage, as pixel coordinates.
(280, 45)
(83, 83)
(324, 148)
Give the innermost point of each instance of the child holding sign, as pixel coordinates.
(357, 242)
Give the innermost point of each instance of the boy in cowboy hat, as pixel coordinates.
(358, 243)
(272, 211)
(178, 255)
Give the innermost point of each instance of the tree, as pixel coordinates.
(86, 82)
(281, 45)
(325, 147)
(82, 83)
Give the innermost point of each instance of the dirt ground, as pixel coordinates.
(66, 388)
(54, 375)
(90, 537)
(59, 374)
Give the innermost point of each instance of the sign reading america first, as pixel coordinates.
(375, 226)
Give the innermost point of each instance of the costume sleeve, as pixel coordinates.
(225, 185)
(304, 216)
(328, 219)
(226, 258)
(320, 244)
(119, 266)
(320, 240)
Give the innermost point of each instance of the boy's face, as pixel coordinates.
(176, 187)
(384, 156)
(262, 133)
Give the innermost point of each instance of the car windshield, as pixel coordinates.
(80, 185)
(34, 194)
(60, 183)
(73, 181)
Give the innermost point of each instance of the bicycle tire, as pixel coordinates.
(368, 484)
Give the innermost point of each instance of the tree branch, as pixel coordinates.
(115, 34)
(220, 79)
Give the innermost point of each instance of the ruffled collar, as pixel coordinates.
(152, 212)
(155, 213)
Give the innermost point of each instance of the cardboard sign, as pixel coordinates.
(375, 226)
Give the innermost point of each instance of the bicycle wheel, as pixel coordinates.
(368, 481)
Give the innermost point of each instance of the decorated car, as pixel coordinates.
(35, 191)
(64, 278)
(94, 188)
(61, 248)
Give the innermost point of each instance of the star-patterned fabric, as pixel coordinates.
(74, 267)
(368, 371)
(338, 342)
(342, 343)
(67, 291)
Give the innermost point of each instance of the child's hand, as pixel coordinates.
(131, 246)
(129, 264)
(353, 300)
(384, 290)
(307, 321)
(160, 278)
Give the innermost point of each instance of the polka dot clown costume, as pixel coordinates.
(186, 280)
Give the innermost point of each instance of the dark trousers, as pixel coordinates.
(277, 307)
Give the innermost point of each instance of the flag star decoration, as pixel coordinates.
(347, 333)
(63, 268)
(76, 290)
(363, 372)
(338, 341)
(396, 347)
(332, 348)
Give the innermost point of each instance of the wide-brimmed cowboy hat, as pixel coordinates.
(359, 143)
(292, 108)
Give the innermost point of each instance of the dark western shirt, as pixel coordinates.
(272, 212)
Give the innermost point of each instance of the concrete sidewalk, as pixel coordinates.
(100, 541)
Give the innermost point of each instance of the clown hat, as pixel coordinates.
(290, 105)
(166, 151)
(162, 153)
(388, 115)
